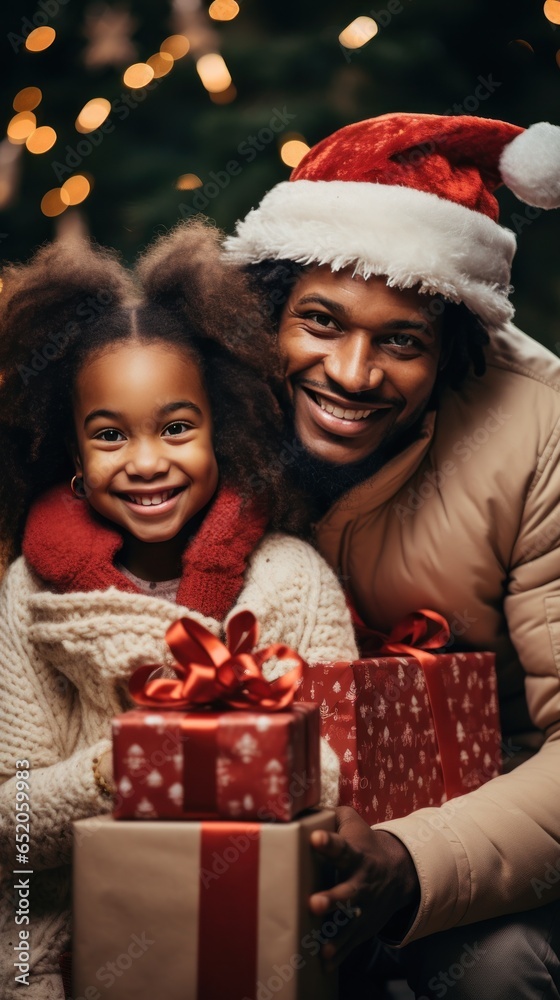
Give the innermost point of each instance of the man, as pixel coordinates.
(431, 435)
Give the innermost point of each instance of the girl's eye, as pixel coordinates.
(177, 427)
(110, 435)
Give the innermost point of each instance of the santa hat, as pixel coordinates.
(411, 197)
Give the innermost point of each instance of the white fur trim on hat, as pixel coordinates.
(412, 237)
(530, 165)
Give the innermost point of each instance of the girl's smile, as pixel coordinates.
(144, 442)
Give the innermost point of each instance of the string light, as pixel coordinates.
(213, 72)
(41, 140)
(138, 75)
(223, 10)
(39, 39)
(552, 11)
(176, 46)
(358, 32)
(188, 182)
(52, 203)
(224, 96)
(21, 126)
(161, 63)
(75, 189)
(92, 115)
(27, 99)
(293, 149)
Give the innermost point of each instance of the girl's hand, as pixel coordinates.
(378, 879)
(103, 772)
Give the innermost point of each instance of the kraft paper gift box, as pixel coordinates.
(407, 734)
(238, 749)
(205, 765)
(200, 911)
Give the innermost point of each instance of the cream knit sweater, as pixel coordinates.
(64, 664)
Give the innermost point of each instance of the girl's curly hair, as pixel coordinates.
(73, 300)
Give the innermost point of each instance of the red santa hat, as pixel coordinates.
(411, 197)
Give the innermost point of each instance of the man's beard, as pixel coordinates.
(324, 482)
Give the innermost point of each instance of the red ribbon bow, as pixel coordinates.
(413, 636)
(211, 674)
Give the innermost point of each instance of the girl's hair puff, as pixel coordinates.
(74, 300)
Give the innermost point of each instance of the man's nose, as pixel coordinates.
(352, 363)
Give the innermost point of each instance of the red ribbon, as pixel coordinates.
(413, 636)
(210, 673)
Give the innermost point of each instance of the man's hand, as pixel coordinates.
(378, 879)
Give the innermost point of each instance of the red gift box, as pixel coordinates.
(210, 765)
(407, 733)
(232, 762)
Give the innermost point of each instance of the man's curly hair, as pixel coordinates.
(74, 300)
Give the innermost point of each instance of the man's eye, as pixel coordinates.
(403, 340)
(177, 427)
(322, 319)
(110, 435)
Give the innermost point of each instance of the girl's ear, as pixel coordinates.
(72, 449)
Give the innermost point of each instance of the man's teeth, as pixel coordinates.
(151, 501)
(338, 411)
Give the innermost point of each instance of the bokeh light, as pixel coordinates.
(27, 99)
(552, 11)
(93, 114)
(213, 72)
(188, 182)
(52, 203)
(293, 149)
(161, 63)
(39, 39)
(21, 126)
(224, 96)
(358, 32)
(138, 75)
(41, 140)
(176, 46)
(75, 189)
(223, 10)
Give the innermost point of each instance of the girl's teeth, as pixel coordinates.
(153, 500)
(337, 411)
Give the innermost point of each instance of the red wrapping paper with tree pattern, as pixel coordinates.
(246, 752)
(408, 734)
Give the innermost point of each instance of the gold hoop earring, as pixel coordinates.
(77, 487)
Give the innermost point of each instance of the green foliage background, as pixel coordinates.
(428, 57)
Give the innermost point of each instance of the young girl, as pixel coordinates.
(140, 440)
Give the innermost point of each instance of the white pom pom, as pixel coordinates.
(530, 165)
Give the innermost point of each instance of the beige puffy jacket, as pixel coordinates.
(466, 521)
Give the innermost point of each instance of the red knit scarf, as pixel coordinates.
(72, 549)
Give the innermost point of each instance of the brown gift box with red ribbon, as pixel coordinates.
(245, 752)
(410, 728)
(201, 911)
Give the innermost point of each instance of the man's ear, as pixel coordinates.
(445, 354)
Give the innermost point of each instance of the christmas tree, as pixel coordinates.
(206, 126)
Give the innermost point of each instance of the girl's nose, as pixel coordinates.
(351, 363)
(147, 459)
